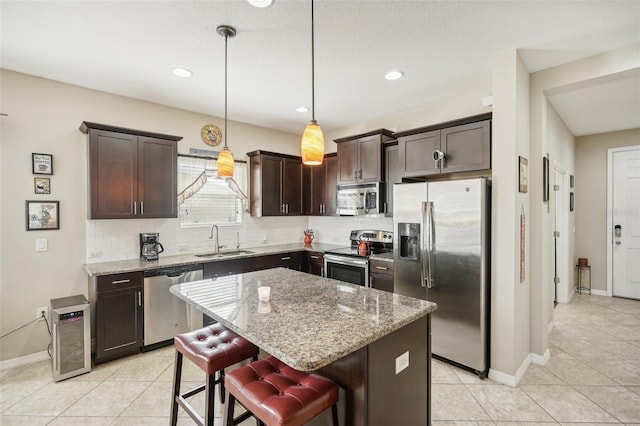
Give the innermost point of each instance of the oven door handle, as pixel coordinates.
(342, 261)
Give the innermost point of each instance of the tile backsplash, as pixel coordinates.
(118, 239)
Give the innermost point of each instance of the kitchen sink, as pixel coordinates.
(225, 253)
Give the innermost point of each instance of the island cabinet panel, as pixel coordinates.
(315, 263)
(381, 391)
(276, 187)
(381, 275)
(118, 316)
(465, 145)
(232, 266)
(294, 260)
(132, 174)
(360, 157)
(320, 197)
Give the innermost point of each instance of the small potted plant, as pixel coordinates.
(308, 236)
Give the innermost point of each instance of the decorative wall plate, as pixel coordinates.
(211, 135)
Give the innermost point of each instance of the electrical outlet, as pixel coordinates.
(42, 312)
(95, 254)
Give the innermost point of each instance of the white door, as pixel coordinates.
(625, 225)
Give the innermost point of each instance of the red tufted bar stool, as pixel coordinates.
(212, 348)
(277, 394)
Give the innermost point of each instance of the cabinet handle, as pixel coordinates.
(287, 208)
(140, 298)
(315, 257)
(141, 208)
(286, 258)
(355, 174)
(135, 208)
(120, 282)
(282, 209)
(382, 267)
(360, 174)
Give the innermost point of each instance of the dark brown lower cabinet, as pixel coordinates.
(294, 260)
(119, 316)
(315, 263)
(381, 275)
(232, 266)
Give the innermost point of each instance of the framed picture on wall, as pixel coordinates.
(571, 201)
(42, 185)
(522, 174)
(545, 178)
(42, 215)
(41, 164)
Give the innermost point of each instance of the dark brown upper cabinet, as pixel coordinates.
(458, 146)
(132, 173)
(360, 157)
(392, 174)
(321, 181)
(275, 184)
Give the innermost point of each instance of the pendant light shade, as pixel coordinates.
(312, 144)
(226, 163)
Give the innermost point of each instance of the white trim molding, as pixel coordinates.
(506, 379)
(541, 359)
(24, 360)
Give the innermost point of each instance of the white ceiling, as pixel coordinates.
(445, 49)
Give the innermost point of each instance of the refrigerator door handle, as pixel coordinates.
(427, 244)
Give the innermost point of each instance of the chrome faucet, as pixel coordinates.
(217, 246)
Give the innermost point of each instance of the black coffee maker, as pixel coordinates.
(150, 248)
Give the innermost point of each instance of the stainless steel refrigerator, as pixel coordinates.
(441, 253)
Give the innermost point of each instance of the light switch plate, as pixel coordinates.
(402, 362)
(41, 244)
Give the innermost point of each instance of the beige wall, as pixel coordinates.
(44, 116)
(591, 199)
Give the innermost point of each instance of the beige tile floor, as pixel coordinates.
(592, 378)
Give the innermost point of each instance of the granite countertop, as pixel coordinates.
(309, 321)
(134, 265)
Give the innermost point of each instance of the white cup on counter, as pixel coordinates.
(264, 293)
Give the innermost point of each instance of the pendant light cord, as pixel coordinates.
(226, 136)
(313, 81)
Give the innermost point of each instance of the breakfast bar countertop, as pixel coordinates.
(309, 321)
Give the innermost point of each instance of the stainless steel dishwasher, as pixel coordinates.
(165, 315)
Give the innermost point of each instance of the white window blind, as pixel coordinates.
(204, 198)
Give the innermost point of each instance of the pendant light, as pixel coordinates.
(312, 145)
(226, 163)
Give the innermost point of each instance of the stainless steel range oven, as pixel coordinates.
(352, 265)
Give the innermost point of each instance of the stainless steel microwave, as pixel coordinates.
(360, 199)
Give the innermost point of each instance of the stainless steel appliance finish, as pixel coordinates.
(150, 247)
(359, 199)
(70, 337)
(352, 265)
(441, 254)
(165, 315)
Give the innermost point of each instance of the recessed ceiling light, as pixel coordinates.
(182, 72)
(393, 75)
(302, 109)
(260, 3)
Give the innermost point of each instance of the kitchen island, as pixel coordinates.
(374, 344)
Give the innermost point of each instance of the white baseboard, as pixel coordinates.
(24, 360)
(540, 359)
(599, 292)
(506, 379)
